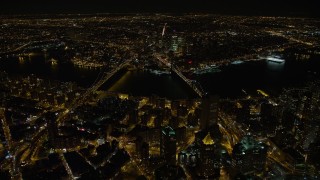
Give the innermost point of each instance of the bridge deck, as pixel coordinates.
(190, 83)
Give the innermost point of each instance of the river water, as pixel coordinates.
(229, 82)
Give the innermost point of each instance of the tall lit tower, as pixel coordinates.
(168, 145)
(164, 29)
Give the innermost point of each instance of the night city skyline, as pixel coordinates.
(134, 89)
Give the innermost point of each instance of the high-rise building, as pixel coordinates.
(177, 45)
(209, 112)
(133, 117)
(243, 111)
(169, 172)
(269, 119)
(138, 142)
(181, 135)
(249, 155)
(153, 135)
(50, 118)
(266, 110)
(168, 145)
(206, 156)
(208, 166)
(174, 122)
(161, 103)
(144, 154)
(174, 105)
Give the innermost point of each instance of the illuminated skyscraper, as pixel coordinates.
(168, 145)
(177, 44)
(249, 155)
(208, 166)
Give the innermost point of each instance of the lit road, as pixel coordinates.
(84, 97)
(41, 135)
(66, 166)
(17, 49)
(26, 45)
(21, 47)
(289, 38)
(278, 156)
(124, 142)
(235, 131)
(14, 168)
(189, 177)
(6, 130)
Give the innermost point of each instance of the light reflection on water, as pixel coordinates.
(275, 66)
(266, 75)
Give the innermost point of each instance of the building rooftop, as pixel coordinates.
(208, 140)
(248, 143)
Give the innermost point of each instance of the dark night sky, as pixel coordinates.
(239, 7)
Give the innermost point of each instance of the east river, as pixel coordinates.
(229, 81)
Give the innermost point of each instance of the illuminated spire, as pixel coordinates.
(164, 29)
(208, 140)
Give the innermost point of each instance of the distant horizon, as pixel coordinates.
(154, 13)
(228, 7)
